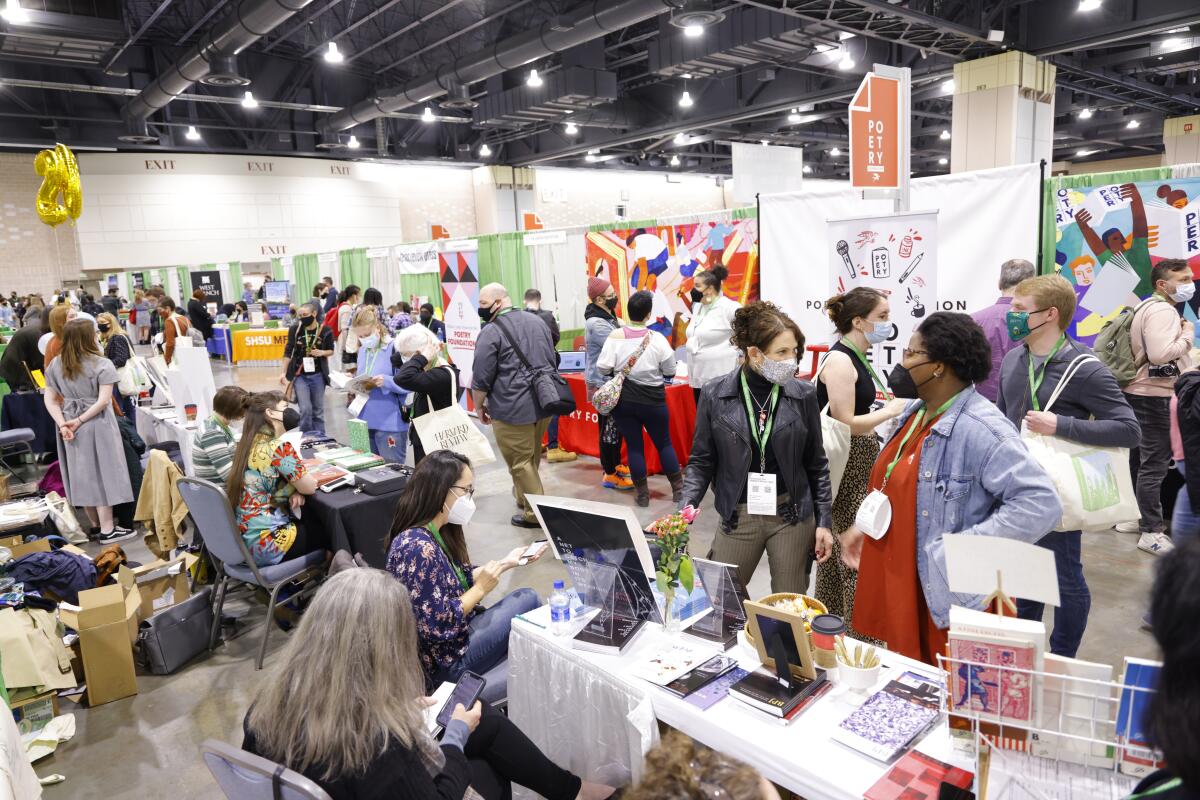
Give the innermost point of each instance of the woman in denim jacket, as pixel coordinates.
(954, 465)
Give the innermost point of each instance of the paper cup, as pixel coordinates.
(874, 515)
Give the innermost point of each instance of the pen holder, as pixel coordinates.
(858, 680)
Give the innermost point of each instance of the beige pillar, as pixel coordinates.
(1003, 112)
(501, 195)
(1181, 140)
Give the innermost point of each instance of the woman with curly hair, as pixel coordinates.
(758, 432)
(681, 769)
(954, 465)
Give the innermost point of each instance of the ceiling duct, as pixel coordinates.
(746, 38)
(233, 33)
(329, 141)
(50, 37)
(563, 92)
(137, 132)
(701, 13)
(223, 71)
(458, 99)
(591, 21)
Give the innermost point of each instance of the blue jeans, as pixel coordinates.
(487, 648)
(310, 396)
(1070, 618)
(631, 418)
(1185, 522)
(552, 434)
(392, 445)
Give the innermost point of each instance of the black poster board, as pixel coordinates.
(210, 282)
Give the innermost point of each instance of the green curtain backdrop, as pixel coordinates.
(355, 268)
(185, 286)
(277, 270)
(308, 271)
(626, 224)
(235, 281)
(1050, 191)
(428, 284)
(749, 212)
(504, 259)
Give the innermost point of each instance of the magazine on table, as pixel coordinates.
(893, 718)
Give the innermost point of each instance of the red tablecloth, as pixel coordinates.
(580, 432)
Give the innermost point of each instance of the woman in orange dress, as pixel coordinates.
(954, 465)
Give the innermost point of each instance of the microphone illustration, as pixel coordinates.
(844, 251)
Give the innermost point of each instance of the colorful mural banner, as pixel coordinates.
(460, 299)
(1108, 237)
(665, 259)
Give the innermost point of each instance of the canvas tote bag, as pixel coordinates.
(451, 428)
(1093, 483)
(835, 435)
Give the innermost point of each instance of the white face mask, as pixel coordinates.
(369, 342)
(462, 511)
(1184, 292)
(879, 333)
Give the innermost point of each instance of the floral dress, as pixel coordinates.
(262, 513)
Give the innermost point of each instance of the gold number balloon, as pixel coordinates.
(60, 175)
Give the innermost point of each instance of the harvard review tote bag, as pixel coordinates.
(450, 428)
(835, 436)
(1093, 483)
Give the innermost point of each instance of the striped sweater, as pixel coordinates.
(212, 451)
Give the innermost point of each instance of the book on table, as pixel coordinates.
(358, 461)
(715, 691)
(787, 719)
(766, 691)
(893, 718)
(700, 676)
(330, 453)
(322, 472)
(1140, 681)
(608, 633)
(918, 776)
(1078, 699)
(670, 660)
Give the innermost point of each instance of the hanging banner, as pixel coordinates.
(896, 254)
(875, 119)
(417, 259)
(138, 280)
(460, 299)
(110, 281)
(1108, 237)
(210, 282)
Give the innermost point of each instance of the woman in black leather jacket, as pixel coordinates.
(763, 401)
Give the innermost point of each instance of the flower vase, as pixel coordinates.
(671, 612)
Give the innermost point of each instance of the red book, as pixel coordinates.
(917, 776)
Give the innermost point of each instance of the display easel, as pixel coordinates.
(727, 595)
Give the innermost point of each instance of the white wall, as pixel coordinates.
(569, 197)
(33, 256)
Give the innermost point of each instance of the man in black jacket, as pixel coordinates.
(433, 323)
(533, 304)
(22, 352)
(306, 363)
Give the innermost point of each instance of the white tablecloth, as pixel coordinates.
(156, 425)
(588, 715)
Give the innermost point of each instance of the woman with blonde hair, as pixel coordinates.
(118, 348)
(141, 316)
(389, 431)
(680, 769)
(422, 369)
(59, 315)
(346, 708)
(79, 387)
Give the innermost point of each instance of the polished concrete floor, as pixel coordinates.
(148, 746)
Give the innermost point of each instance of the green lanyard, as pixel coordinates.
(908, 435)
(371, 356)
(760, 433)
(882, 386)
(1035, 382)
(462, 576)
(1170, 785)
(309, 340)
(223, 427)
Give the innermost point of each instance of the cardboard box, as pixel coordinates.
(36, 546)
(34, 712)
(11, 541)
(107, 621)
(161, 584)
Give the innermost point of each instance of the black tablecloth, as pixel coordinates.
(359, 523)
(28, 410)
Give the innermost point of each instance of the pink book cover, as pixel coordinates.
(988, 687)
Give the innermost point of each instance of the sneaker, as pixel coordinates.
(617, 481)
(1127, 527)
(1147, 623)
(557, 455)
(1155, 543)
(623, 470)
(117, 534)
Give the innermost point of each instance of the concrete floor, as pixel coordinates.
(147, 746)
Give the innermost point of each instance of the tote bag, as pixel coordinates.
(451, 428)
(132, 379)
(606, 397)
(1093, 483)
(835, 436)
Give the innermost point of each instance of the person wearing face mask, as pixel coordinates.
(428, 554)
(213, 444)
(710, 354)
(954, 465)
(599, 322)
(381, 412)
(267, 480)
(118, 349)
(431, 322)
(849, 385)
(1162, 340)
(758, 444)
(993, 321)
(1090, 410)
(347, 341)
(306, 365)
(421, 368)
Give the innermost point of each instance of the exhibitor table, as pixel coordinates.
(589, 715)
(156, 425)
(249, 344)
(580, 433)
(28, 410)
(355, 522)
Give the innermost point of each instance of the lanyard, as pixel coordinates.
(1035, 382)
(911, 430)
(1170, 785)
(371, 356)
(462, 577)
(762, 432)
(882, 386)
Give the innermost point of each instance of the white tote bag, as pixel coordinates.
(451, 428)
(835, 436)
(1093, 483)
(133, 379)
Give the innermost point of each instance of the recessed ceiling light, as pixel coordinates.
(13, 13)
(763, 142)
(427, 114)
(807, 169)
(693, 31)
(945, 134)
(534, 79)
(1133, 123)
(794, 117)
(1089, 5)
(484, 150)
(846, 62)
(674, 161)
(571, 129)
(333, 55)
(943, 161)
(844, 35)
(248, 100)
(835, 152)
(192, 134)
(1085, 113)
(685, 99)
(948, 86)
(680, 138)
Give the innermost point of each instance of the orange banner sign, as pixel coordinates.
(875, 133)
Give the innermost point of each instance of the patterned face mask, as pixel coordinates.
(778, 372)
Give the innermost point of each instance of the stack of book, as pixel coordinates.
(324, 473)
(762, 689)
(348, 458)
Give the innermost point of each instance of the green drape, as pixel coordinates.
(235, 281)
(749, 212)
(504, 259)
(625, 225)
(355, 267)
(277, 271)
(307, 270)
(428, 284)
(185, 285)
(1050, 192)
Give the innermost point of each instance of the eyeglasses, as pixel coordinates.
(910, 353)
(468, 491)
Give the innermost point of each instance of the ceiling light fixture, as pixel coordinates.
(1082, 153)
(794, 117)
(13, 13)
(1085, 113)
(948, 86)
(352, 143)
(847, 61)
(571, 129)
(763, 142)
(945, 134)
(995, 35)
(1089, 5)
(844, 35)
(484, 150)
(534, 80)
(1174, 43)
(1133, 123)
(807, 169)
(835, 152)
(333, 55)
(687, 76)
(427, 114)
(674, 161)
(192, 134)
(943, 161)
(693, 31)
(680, 138)
(685, 99)
(248, 100)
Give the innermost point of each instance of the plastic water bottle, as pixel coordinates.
(560, 610)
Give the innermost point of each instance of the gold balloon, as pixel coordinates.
(60, 175)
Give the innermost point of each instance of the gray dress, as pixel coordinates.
(93, 463)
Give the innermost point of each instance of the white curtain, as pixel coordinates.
(385, 274)
(557, 274)
(1185, 171)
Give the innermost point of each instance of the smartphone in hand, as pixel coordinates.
(533, 551)
(466, 691)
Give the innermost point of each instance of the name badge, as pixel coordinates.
(761, 497)
(874, 515)
(310, 364)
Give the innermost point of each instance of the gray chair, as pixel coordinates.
(15, 441)
(213, 516)
(243, 776)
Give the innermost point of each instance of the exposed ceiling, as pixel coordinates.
(440, 79)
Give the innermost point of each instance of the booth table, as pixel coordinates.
(588, 715)
(28, 410)
(157, 425)
(580, 432)
(357, 523)
(252, 344)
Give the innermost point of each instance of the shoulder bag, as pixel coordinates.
(1093, 483)
(550, 390)
(132, 379)
(606, 397)
(450, 428)
(835, 436)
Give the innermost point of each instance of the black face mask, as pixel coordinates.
(291, 418)
(697, 296)
(486, 314)
(425, 318)
(901, 382)
(103, 328)
(610, 303)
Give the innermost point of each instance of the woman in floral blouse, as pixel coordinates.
(267, 480)
(428, 554)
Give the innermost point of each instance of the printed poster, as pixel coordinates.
(210, 282)
(460, 299)
(990, 685)
(896, 254)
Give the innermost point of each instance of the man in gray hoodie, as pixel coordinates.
(1090, 410)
